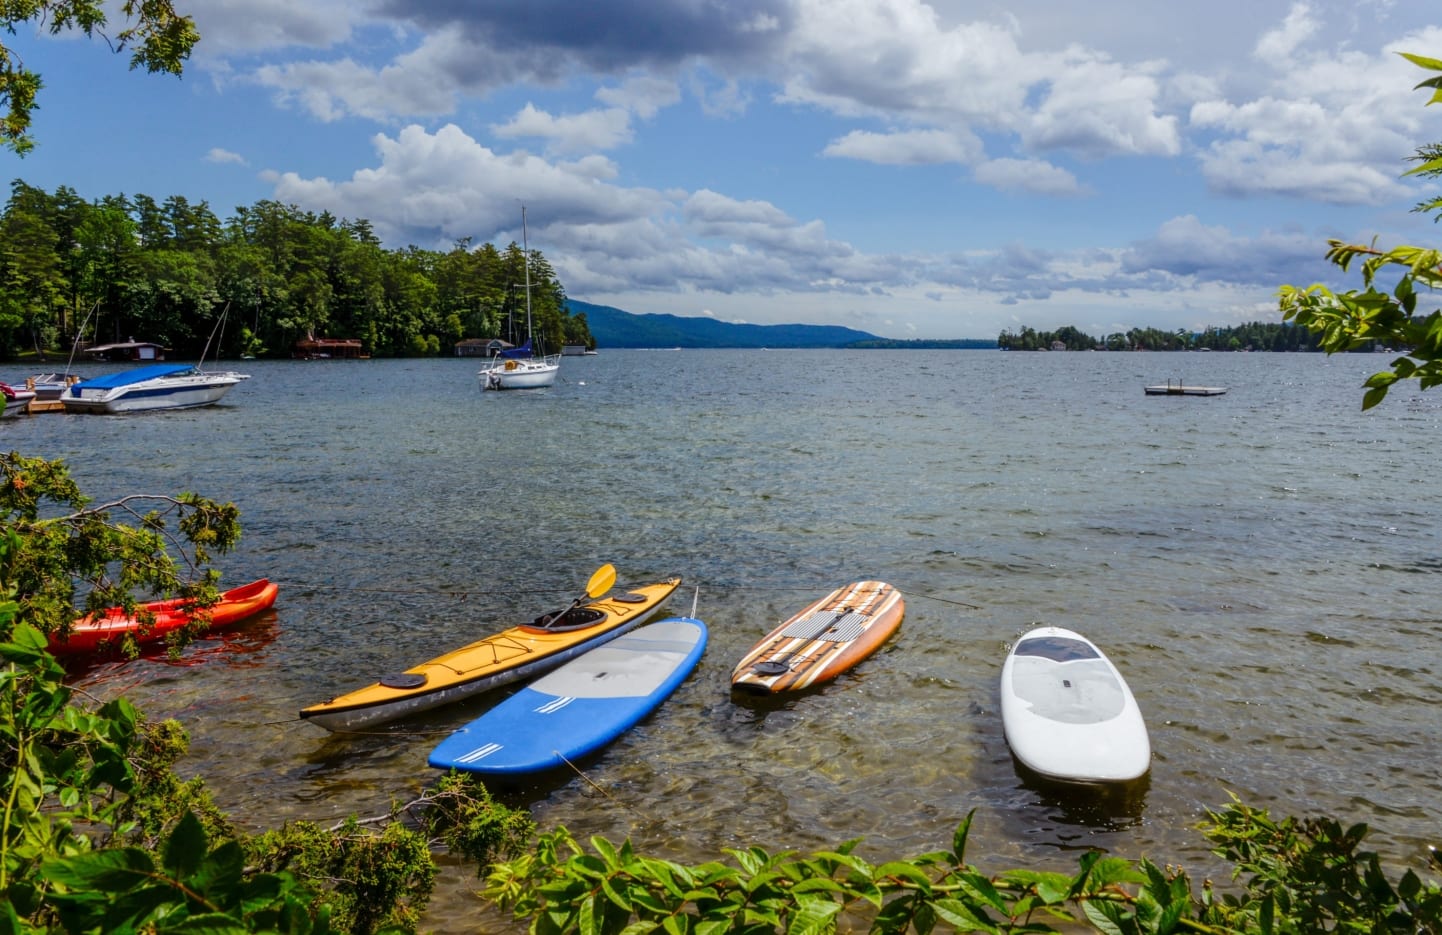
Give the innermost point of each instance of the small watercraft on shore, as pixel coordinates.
(509, 656)
(153, 620)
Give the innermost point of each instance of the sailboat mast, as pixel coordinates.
(526, 256)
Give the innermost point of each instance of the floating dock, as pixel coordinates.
(1180, 389)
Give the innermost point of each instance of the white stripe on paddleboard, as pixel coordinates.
(479, 753)
(551, 707)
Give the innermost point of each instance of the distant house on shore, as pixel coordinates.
(481, 347)
(126, 350)
(312, 348)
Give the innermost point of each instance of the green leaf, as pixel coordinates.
(1432, 64)
(1107, 917)
(904, 870)
(814, 916)
(108, 871)
(185, 848)
(958, 839)
(211, 923)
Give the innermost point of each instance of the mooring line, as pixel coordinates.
(594, 785)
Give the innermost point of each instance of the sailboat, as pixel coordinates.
(522, 368)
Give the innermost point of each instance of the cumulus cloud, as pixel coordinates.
(230, 27)
(1028, 175)
(595, 129)
(223, 156)
(643, 95)
(910, 148)
(1297, 28)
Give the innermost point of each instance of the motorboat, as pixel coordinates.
(16, 399)
(157, 386)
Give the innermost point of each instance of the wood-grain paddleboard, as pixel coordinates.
(580, 707)
(824, 640)
(1068, 713)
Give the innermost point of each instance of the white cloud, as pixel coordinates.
(910, 148)
(595, 129)
(228, 27)
(1027, 175)
(1296, 29)
(1096, 107)
(223, 156)
(643, 95)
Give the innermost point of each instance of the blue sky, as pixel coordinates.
(914, 170)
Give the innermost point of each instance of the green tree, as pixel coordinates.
(159, 39)
(1368, 317)
(32, 279)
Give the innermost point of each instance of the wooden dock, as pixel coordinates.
(1180, 389)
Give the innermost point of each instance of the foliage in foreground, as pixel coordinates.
(1307, 876)
(98, 834)
(1355, 318)
(97, 831)
(63, 546)
(159, 40)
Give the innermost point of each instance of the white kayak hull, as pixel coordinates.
(1068, 713)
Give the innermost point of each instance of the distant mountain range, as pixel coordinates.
(613, 327)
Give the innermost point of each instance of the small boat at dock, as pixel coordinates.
(158, 386)
(16, 400)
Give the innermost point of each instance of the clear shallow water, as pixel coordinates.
(1260, 565)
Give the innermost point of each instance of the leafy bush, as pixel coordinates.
(1304, 877)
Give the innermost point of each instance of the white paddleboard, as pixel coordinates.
(1067, 711)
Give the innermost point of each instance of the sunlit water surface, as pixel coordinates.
(1259, 565)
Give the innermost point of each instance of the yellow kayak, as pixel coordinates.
(513, 654)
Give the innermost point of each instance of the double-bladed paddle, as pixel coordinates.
(601, 581)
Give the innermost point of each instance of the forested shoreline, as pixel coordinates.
(1253, 336)
(129, 267)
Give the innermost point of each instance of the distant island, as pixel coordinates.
(614, 327)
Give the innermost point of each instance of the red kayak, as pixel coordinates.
(235, 605)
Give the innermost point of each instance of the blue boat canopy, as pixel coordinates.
(127, 377)
(517, 353)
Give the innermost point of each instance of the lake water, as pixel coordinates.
(1260, 566)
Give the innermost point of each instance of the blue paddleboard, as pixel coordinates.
(580, 707)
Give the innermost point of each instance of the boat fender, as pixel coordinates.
(403, 680)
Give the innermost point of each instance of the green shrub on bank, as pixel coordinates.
(1300, 877)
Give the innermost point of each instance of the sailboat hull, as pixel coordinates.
(532, 373)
